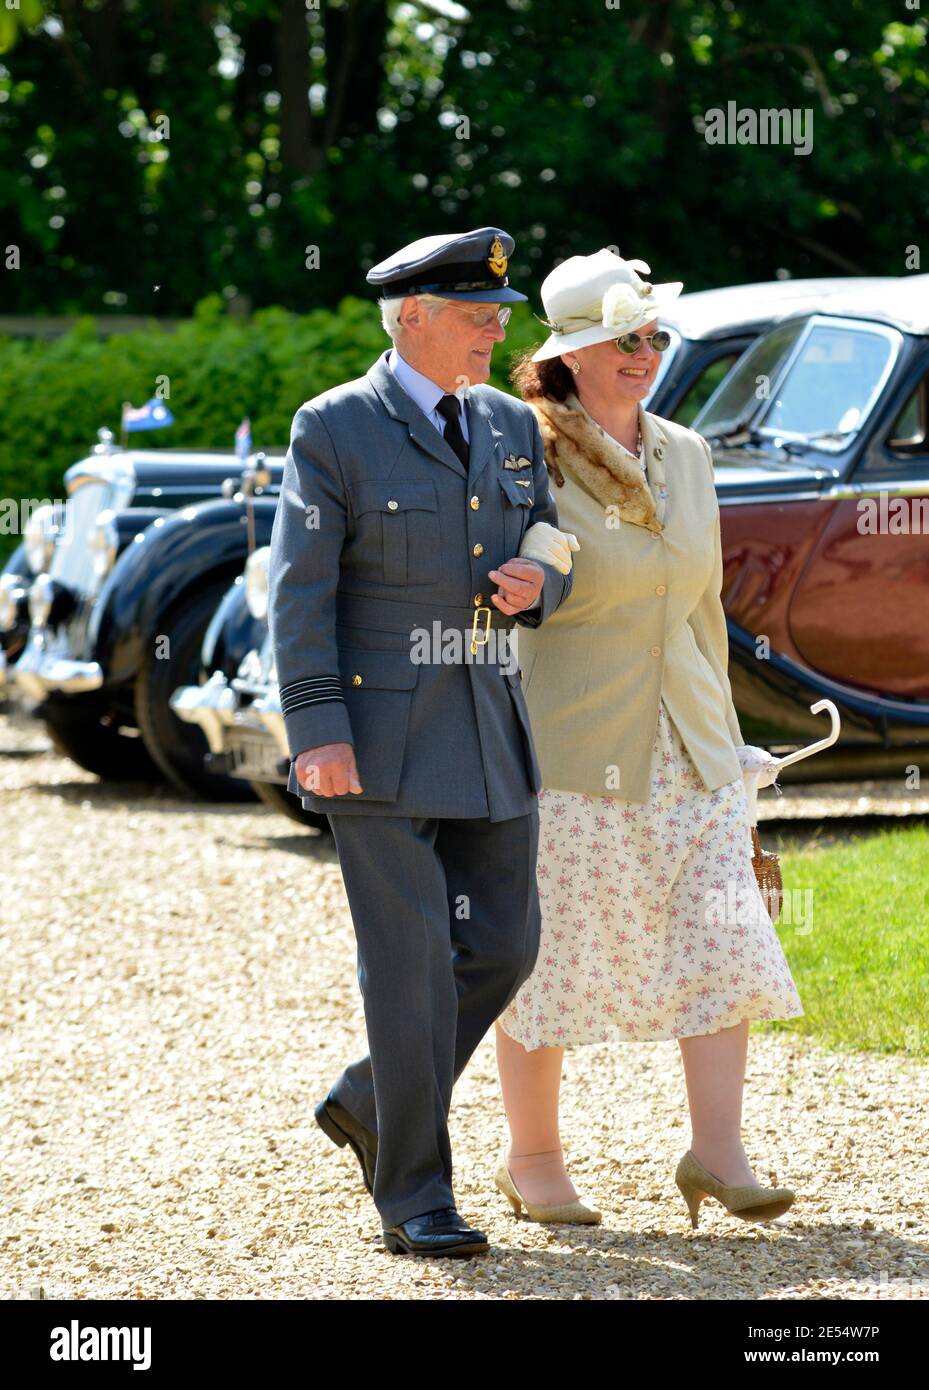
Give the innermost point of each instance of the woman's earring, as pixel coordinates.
(575, 367)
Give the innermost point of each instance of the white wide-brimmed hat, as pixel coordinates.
(589, 299)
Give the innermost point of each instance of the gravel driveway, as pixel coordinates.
(178, 991)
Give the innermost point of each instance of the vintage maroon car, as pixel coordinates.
(821, 439)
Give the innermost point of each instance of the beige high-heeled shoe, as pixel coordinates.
(749, 1203)
(574, 1212)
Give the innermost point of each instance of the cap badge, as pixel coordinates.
(497, 258)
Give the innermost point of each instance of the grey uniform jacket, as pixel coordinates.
(380, 530)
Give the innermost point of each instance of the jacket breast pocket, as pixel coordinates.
(397, 531)
(517, 508)
(378, 691)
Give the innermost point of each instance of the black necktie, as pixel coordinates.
(448, 409)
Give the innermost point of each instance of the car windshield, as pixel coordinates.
(811, 380)
(736, 399)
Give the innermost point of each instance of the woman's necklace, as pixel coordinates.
(638, 437)
(637, 452)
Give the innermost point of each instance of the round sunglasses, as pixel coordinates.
(631, 342)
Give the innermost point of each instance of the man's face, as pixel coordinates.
(453, 347)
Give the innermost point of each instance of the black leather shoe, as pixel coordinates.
(441, 1232)
(342, 1128)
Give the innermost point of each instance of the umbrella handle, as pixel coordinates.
(751, 778)
(812, 748)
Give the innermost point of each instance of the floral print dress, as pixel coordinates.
(653, 925)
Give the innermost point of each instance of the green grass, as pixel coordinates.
(858, 941)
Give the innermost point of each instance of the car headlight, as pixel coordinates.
(12, 591)
(39, 536)
(104, 543)
(256, 581)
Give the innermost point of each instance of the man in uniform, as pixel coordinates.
(404, 500)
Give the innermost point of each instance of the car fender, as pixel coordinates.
(233, 632)
(13, 640)
(183, 552)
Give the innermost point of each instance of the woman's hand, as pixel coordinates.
(547, 543)
(758, 760)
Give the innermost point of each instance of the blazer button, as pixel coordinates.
(478, 549)
(475, 503)
(478, 600)
(392, 505)
(655, 651)
(661, 589)
(356, 680)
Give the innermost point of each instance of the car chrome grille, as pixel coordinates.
(72, 562)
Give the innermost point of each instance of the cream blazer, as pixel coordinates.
(644, 618)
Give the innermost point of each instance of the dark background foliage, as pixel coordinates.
(177, 161)
(359, 125)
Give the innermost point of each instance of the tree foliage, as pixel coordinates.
(156, 151)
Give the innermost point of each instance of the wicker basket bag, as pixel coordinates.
(767, 868)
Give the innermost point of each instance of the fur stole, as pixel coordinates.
(574, 441)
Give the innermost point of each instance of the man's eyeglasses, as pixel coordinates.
(482, 317)
(631, 342)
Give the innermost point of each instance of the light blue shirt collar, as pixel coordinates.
(425, 393)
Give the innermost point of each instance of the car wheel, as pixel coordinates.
(84, 731)
(177, 747)
(280, 799)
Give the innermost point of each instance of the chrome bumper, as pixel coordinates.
(45, 665)
(217, 707)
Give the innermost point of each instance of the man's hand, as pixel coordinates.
(328, 770)
(520, 583)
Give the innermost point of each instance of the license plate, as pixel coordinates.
(256, 758)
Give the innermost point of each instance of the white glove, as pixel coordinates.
(547, 543)
(758, 761)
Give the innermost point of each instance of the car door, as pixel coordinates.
(860, 610)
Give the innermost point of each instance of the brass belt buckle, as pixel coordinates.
(474, 634)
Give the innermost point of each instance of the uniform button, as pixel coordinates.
(356, 680)
(392, 505)
(478, 600)
(475, 503)
(661, 589)
(478, 549)
(655, 651)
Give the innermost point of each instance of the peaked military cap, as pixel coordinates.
(471, 265)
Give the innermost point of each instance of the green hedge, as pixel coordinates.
(57, 394)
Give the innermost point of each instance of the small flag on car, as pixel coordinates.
(153, 415)
(243, 439)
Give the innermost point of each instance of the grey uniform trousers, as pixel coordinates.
(447, 920)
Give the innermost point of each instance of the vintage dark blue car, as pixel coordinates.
(119, 591)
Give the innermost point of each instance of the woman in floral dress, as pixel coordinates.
(652, 922)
